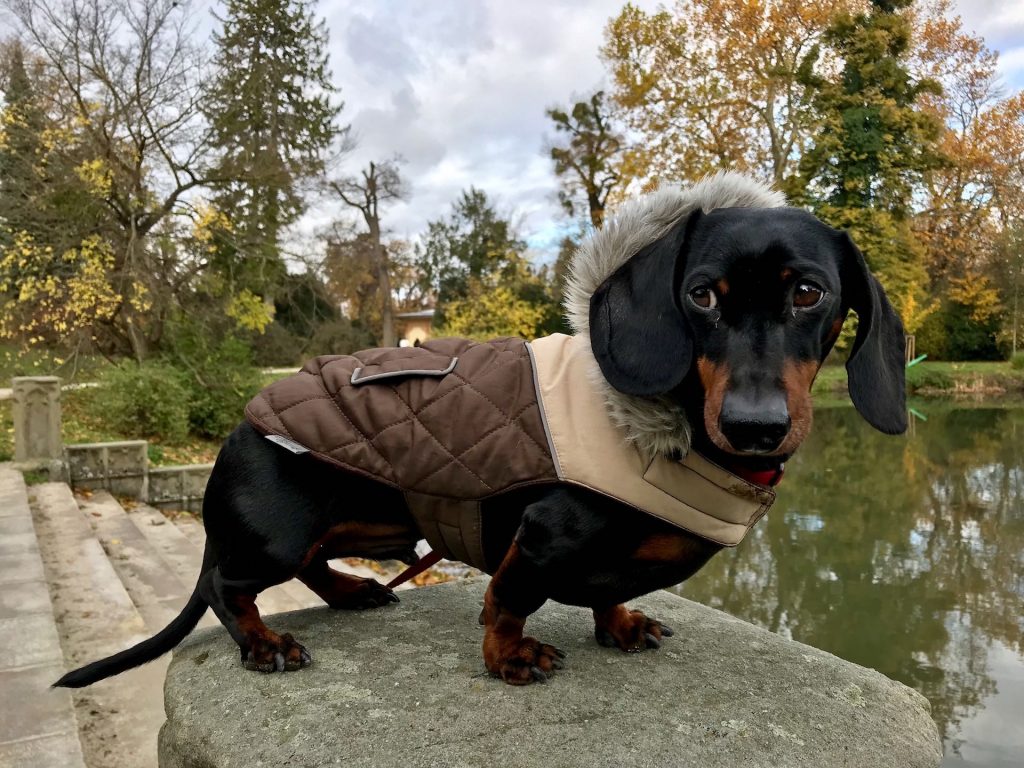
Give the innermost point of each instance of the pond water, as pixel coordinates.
(905, 554)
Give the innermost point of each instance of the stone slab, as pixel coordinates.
(24, 566)
(405, 686)
(28, 640)
(40, 709)
(24, 599)
(13, 502)
(60, 750)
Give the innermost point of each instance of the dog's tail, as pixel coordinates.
(147, 650)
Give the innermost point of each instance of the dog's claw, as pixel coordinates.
(305, 658)
(538, 674)
(652, 641)
(666, 630)
(279, 662)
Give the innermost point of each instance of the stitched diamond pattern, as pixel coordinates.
(472, 433)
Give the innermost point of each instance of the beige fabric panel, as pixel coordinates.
(693, 494)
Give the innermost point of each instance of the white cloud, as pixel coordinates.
(458, 88)
(1001, 24)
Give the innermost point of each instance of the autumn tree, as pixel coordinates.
(471, 257)
(708, 85)
(379, 184)
(586, 156)
(273, 112)
(474, 241)
(129, 80)
(875, 144)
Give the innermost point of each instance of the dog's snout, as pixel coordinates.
(754, 425)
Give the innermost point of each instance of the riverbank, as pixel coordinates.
(939, 378)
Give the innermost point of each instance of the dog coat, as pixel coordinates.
(455, 422)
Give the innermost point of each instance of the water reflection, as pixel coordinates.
(905, 555)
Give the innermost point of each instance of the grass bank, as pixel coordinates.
(939, 378)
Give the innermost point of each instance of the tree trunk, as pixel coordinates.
(387, 312)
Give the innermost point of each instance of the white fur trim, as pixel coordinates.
(656, 425)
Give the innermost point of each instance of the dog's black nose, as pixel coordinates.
(754, 426)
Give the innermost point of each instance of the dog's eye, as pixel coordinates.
(704, 297)
(807, 295)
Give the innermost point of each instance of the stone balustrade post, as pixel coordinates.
(36, 411)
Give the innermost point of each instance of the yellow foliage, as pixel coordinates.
(96, 176)
(977, 293)
(45, 295)
(250, 311)
(913, 313)
(208, 222)
(490, 311)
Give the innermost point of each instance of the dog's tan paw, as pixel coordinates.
(630, 631)
(276, 654)
(529, 661)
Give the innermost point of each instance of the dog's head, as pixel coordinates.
(743, 305)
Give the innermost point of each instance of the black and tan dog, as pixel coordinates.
(589, 469)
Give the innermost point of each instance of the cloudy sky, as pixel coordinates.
(459, 88)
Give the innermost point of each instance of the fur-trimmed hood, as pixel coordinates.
(655, 425)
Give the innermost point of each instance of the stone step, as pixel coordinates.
(37, 726)
(290, 596)
(155, 589)
(118, 718)
(184, 557)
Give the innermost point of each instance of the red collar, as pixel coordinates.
(766, 477)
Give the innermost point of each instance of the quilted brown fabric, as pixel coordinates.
(410, 418)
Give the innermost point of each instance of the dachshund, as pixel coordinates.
(725, 317)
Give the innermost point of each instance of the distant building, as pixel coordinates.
(414, 327)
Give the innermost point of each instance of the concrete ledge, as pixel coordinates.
(119, 467)
(179, 487)
(405, 686)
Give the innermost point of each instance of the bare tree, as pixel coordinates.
(131, 82)
(376, 184)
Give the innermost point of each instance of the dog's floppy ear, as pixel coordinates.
(876, 367)
(637, 330)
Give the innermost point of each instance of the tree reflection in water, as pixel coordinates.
(901, 554)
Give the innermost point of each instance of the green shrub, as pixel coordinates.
(220, 383)
(340, 337)
(142, 401)
(277, 347)
(1017, 362)
(217, 372)
(925, 377)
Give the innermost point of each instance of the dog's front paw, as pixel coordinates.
(526, 661)
(630, 631)
(275, 654)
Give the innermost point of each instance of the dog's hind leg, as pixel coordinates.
(262, 649)
(341, 590)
